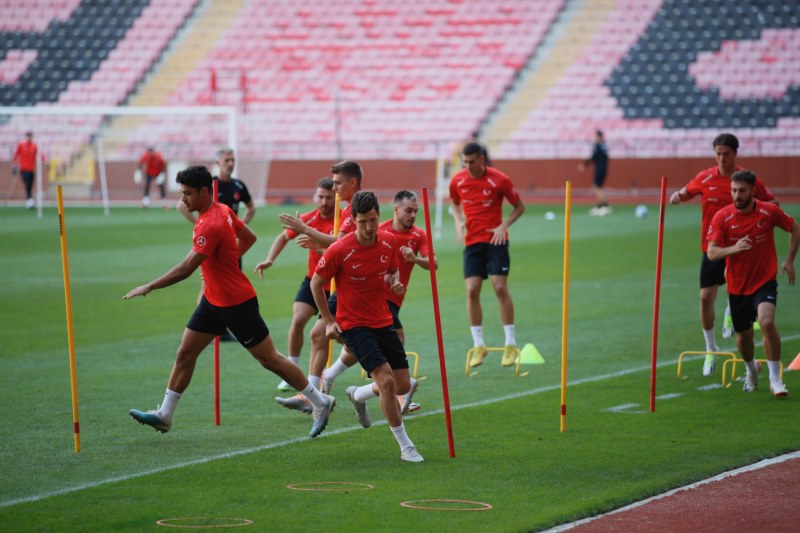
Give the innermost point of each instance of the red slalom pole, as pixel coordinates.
(437, 316)
(216, 342)
(657, 297)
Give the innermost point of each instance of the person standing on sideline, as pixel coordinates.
(321, 219)
(714, 186)
(599, 160)
(412, 244)
(347, 177)
(231, 192)
(743, 235)
(363, 263)
(220, 238)
(152, 165)
(479, 190)
(24, 160)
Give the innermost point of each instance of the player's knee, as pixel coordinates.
(767, 323)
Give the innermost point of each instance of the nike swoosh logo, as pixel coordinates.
(734, 227)
(248, 340)
(356, 266)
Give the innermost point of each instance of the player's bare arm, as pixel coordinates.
(679, 196)
(410, 256)
(332, 329)
(245, 239)
(716, 252)
(277, 247)
(250, 212)
(179, 272)
(296, 224)
(499, 233)
(458, 218)
(788, 263)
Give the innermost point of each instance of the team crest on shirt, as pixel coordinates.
(384, 258)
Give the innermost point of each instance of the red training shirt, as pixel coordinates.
(359, 274)
(153, 163)
(748, 270)
(716, 192)
(324, 225)
(214, 236)
(346, 222)
(25, 156)
(482, 201)
(417, 240)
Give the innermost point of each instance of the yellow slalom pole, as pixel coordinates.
(336, 214)
(564, 308)
(70, 332)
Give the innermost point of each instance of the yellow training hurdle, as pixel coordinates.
(733, 362)
(721, 354)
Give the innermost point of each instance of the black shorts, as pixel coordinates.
(244, 321)
(482, 259)
(375, 346)
(600, 174)
(333, 300)
(395, 310)
(305, 296)
(744, 308)
(712, 273)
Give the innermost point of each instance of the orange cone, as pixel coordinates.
(794, 365)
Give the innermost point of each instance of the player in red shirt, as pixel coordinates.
(713, 185)
(220, 238)
(347, 176)
(363, 264)
(25, 161)
(412, 243)
(320, 219)
(479, 190)
(743, 235)
(152, 165)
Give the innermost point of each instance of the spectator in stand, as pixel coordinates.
(24, 160)
(152, 165)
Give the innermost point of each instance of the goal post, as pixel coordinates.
(93, 151)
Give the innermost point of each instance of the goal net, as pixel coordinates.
(94, 152)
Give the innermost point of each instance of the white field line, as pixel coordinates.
(280, 444)
(749, 468)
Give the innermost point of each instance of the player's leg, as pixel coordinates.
(743, 313)
(198, 334)
(247, 325)
(499, 269)
(766, 300)
(712, 275)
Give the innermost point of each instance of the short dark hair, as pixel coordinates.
(726, 139)
(325, 183)
(196, 177)
(472, 148)
(405, 195)
(746, 176)
(364, 202)
(350, 169)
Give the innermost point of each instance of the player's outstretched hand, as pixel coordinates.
(142, 290)
(261, 267)
(292, 222)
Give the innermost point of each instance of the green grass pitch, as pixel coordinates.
(510, 453)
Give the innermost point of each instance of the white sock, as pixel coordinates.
(314, 380)
(295, 359)
(477, 335)
(511, 339)
(752, 367)
(711, 343)
(364, 393)
(313, 395)
(168, 406)
(401, 437)
(774, 371)
(330, 374)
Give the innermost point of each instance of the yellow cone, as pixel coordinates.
(530, 355)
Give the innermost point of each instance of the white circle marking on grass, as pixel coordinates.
(479, 506)
(223, 522)
(330, 486)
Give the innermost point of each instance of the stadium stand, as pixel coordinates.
(652, 79)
